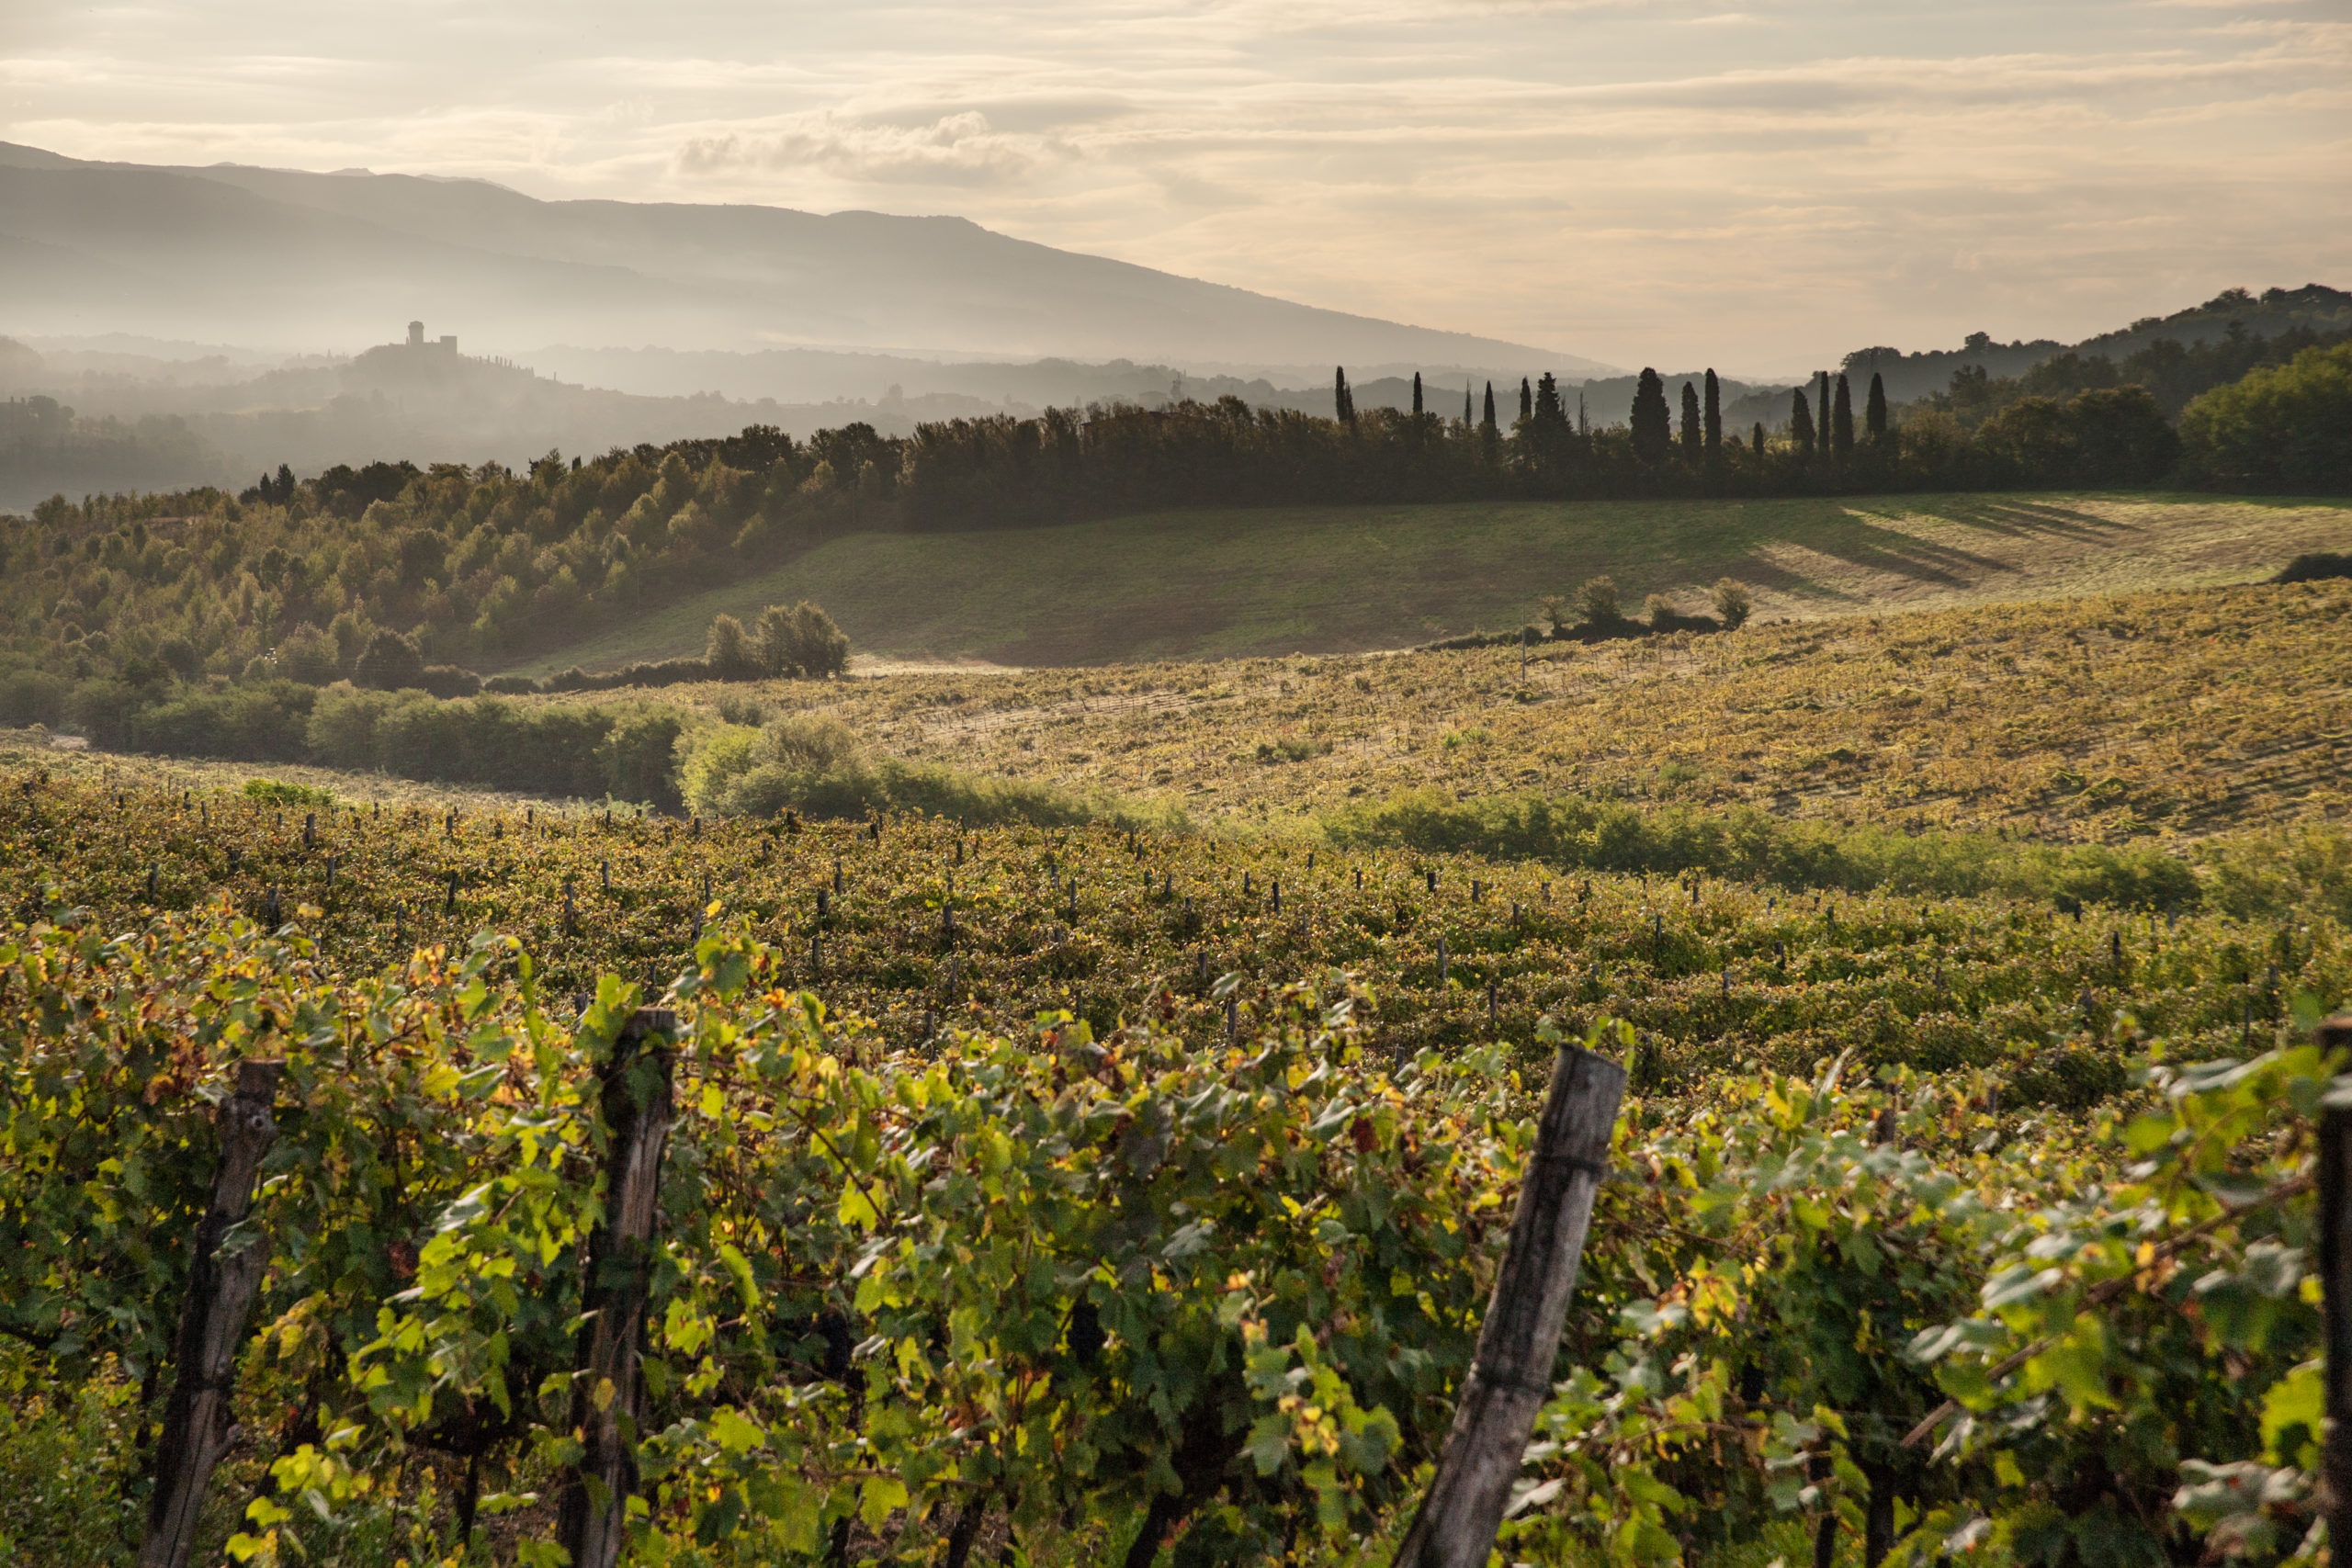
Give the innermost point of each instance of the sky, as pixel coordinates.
(1758, 186)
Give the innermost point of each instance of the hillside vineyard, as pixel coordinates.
(1012, 1171)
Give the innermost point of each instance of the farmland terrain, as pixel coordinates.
(2105, 717)
(1244, 581)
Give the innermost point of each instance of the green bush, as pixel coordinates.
(34, 696)
(1752, 845)
(277, 792)
(815, 766)
(802, 641)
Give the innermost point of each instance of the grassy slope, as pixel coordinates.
(1231, 583)
(2178, 714)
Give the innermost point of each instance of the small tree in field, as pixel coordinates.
(1598, 600)
(1555, 611)
(802, 641)
(1661, 612)
(1732, 604)
(729, 653)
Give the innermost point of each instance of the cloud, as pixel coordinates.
(1636, 179)
(954, 148)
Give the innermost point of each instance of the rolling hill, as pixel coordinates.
(1332, 580)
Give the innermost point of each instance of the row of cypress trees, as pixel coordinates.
(1700, 437)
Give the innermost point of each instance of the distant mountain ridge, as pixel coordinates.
(285, 256)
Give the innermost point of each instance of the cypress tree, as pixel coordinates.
(1548, 408)
(1490, 434)
(1874, 411)
(1416, 394)
(1584, 424)
(1652, 432)
(1689, 422)
(1714, 414)
(1821, 410)
(1841, 419)
(1526, 401)
(1466, 405)
(1759, 438)
(1800, 422)
(1343, 403)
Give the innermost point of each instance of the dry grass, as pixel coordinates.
(2175, 714)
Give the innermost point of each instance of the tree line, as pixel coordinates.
(470, 566)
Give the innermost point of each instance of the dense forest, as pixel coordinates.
(294, 580)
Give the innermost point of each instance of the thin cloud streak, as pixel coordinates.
(1757, 185)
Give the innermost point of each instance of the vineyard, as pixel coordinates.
(1094, 1195)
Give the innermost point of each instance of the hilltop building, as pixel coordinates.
(447, 345)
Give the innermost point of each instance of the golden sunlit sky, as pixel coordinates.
(1750, 187)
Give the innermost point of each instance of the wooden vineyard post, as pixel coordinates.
(219, 1297)
(2335, 1276)
(1510, 1377)
(592, 1514)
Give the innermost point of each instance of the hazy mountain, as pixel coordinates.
(282, 257)
(2274, 311)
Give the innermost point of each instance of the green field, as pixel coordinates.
(1318, 579)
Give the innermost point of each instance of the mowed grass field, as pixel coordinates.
(2164, 714)
(1235, 584)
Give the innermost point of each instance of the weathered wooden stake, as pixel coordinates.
(2335, 1277)
(220, 1290)
(1510, 1377)
(592, 1511)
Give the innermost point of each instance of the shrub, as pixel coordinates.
(390, 663)
(448, 681)
(802, 641)
(1660, 612)
(104, 710)
(278, 792)
(33, 696)
(639, 758)
(730, 654)
(1733, 605)
(1746, 842)
(815, 766)
(342, 730)
(1597, 601)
